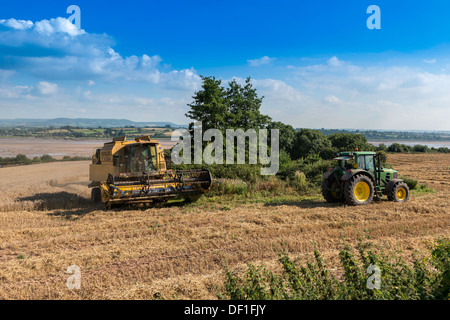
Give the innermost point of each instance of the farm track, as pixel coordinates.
(178, 252)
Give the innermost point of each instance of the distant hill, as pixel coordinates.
(83, 123)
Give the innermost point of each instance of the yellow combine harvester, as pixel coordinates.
(135, 172)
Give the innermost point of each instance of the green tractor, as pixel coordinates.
(359, 178)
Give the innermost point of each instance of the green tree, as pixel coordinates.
(395, 147)
(244, 107)
(235, 107)
(287, 135)
(309, 142)
(381, 147)
(22, 159)
(210, 105)
(421, 148)
(47, 158)
(350, 141)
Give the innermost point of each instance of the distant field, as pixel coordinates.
(36, 147)
(47, 224)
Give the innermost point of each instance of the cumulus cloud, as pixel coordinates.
(56, 49)
(17, 24)
(261, 61)
(46, 88)
(376, 96)
(339, 93)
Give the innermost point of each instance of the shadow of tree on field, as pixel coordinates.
(54, 201)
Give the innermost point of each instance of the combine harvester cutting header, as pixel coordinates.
(136, 172)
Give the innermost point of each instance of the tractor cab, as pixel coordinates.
(357, 160)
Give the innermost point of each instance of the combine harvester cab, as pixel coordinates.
(136, 172)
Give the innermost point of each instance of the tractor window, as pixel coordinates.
(369, 163)
(365, 162)
(361, 162)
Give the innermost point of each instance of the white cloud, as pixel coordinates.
(261, 61)
(332, 99)
(377, 97)
(46, 88)
(56, 50)
(14, 92)
(17, 24)
(334, 62)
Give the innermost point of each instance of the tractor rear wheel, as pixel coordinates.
(399, 192)
(327, 190)
(358, 190)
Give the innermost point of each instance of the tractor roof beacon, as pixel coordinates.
(359, 178)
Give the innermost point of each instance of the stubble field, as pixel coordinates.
(47, 223)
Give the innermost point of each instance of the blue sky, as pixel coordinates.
(315, 62)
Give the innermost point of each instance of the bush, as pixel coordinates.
(47, 158)
(395, 147)
(272, 185)
(299, 182)
(428, 278)
(423, 188)
(328, 153)
(381, 147)
(312, 167)
(22, 159)
(383, 157)
(19, 159)
(245, 172)
(230, 186)
(421, 148)
(412, 183)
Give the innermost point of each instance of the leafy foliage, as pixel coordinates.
(309, 142)
(235, 107)
(428, 278)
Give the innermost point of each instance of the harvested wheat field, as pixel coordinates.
(47, 224)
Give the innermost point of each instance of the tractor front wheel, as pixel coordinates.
(358, 190)
(399, 192)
